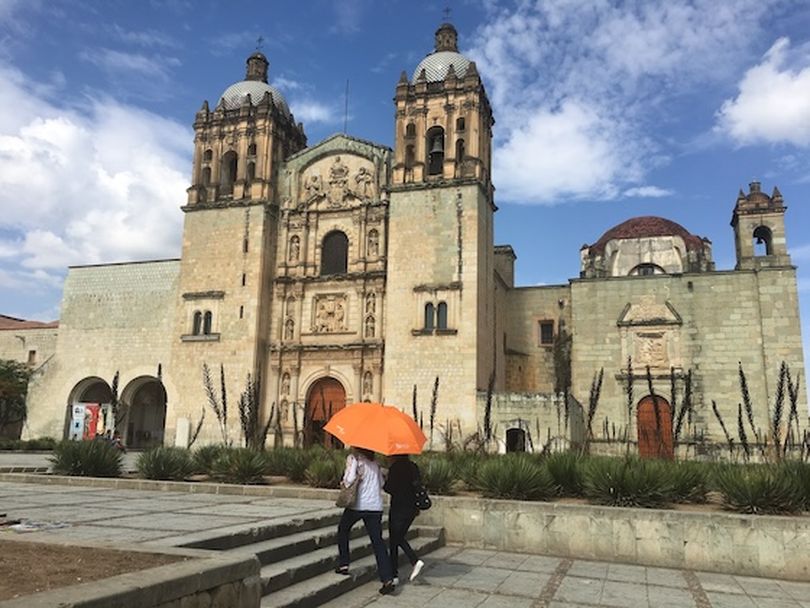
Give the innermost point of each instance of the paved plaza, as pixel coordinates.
(454, 577)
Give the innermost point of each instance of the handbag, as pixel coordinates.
(421, 499)
(347, 495)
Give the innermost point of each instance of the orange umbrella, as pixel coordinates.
(376, 427)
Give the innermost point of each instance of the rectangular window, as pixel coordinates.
(546, 333)
(244, 279)
(32, 357)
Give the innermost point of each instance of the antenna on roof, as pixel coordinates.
(346, 108)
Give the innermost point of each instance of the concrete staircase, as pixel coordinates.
(298, 557)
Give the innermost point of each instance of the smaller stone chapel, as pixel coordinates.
(349, 271)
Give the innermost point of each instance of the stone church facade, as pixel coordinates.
(348, 271)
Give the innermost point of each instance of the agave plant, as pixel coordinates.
(165, 463)
(87, 459)
(760, 489)
(628, 482)
(690, 482)
(204, 457)
(437, 473)
(240, 465)
(517, 477)
(324, 472)
(566, 469)
(800, 473)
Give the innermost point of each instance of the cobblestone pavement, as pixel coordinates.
(122, 517)
(455, 577)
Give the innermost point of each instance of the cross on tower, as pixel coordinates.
(259, 43)
(446, 13)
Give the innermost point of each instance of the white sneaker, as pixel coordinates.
(395, 580)
(417, 568)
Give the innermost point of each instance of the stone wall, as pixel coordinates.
(707, 323)
(18, 344)
(752, 545)
(115, 317)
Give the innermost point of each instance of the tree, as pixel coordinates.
(13, 389)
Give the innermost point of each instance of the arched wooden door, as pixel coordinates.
(325, 397)
(655, 430)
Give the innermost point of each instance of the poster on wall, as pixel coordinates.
(91, 420)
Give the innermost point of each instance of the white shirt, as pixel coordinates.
(369, 488)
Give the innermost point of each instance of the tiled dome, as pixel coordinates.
(645, 227)
(235, 94)
(437, 64)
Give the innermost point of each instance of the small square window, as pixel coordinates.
(546, 333)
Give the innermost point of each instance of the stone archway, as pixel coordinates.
(144, 422)
(88, 405)
(325, 397)
(655, 429)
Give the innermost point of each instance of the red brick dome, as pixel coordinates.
(644, 227)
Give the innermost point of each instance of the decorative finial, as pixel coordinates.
(259, 43)
(446, 12)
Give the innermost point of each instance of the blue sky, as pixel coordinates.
(604, 110)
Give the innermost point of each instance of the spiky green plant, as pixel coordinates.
(758, 490)
(628, 482)
(690, 481)
(293, 462)
(800, 473)
(87, 459)
(323, 472)
(165, 463)
(203, 457)
(516, 477)
(566, 469)
(240, 465)
(438, 474)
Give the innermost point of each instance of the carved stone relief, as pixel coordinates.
(651, 349)
(295, 248)
(289, 329)
(344, 180)
(368, 384)
(370, 327)
(329, 313)
(285, 384)
(373, 245)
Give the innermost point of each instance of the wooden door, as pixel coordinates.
(655, 429)
(325, 398)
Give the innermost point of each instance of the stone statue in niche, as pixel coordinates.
(284, 411)
(289, 329)
(368, 383)
(369, 327)
(373, 249)
(295, 248)
(313, 185)
(285, 384)
(364, 183)
(330, 314)
(371, 303)
(338, 183)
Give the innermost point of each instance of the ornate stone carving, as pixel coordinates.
(364, 182)
(284, 411)
(289, 329)
(285, 384)
(368, 384)
(295, 249)
(338, 183)
(371, 303)
(329, 313)
(370, 327)
(373, 244)
(651, 349)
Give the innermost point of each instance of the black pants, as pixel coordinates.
(373, 522)
(399, 521)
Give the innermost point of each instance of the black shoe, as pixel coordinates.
(388, 587)
(344, 570)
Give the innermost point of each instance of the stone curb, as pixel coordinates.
(23, 469)
(146, 588)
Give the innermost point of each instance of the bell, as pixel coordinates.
(437, 147)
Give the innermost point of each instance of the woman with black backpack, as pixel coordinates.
(402, 484)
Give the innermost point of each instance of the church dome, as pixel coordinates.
(255, 85)
(235, 94)
(647, 227)
(437, 64)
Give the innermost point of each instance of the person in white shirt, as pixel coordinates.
(368, 506)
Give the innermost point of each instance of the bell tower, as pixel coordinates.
(230, 231)
(759, 229)
(440, 290)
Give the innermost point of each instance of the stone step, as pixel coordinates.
(321, 588)
(251, 535)
(292, 545)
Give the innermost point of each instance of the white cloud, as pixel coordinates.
(311, 111)
(773, 102)
(146, 38)
(600, 73)
(647, 192)
(114, 61)
(99, 184)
